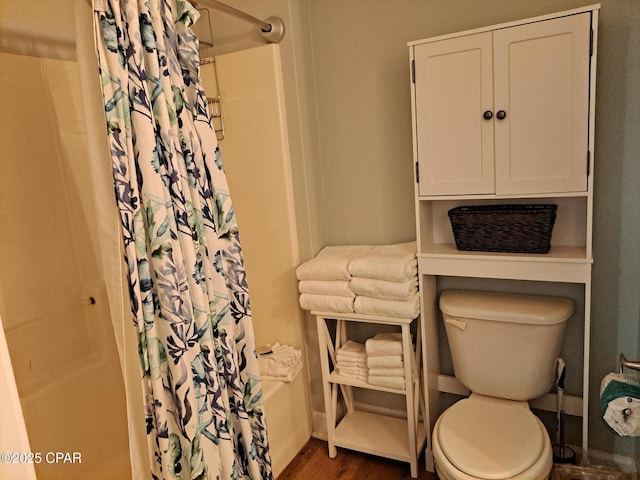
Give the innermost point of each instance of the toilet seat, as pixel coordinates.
(494, 439)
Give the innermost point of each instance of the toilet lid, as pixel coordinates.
(492, 440)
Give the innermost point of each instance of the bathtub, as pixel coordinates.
(287, 424)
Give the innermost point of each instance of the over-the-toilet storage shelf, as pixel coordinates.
(526, 93)
(365, 429)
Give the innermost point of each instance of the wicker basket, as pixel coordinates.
(503, 228)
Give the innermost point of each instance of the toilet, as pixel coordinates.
(504, 348)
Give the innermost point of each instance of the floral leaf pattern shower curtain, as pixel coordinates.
(189, 299)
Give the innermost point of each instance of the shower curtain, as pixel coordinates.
(189, 299)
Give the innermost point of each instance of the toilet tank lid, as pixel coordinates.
(506, 307)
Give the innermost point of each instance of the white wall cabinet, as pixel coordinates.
(504, 111)
(505, 114)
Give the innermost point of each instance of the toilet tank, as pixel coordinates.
(505, 345)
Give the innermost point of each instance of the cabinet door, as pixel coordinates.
(542, 84)
(453, 89)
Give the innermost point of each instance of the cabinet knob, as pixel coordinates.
(488, 114)
(501, 114)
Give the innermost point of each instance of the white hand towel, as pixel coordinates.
(353, 370)
(390, 382)
(331, 263)
(385, 361)
(386, 372)
(353, 349)
(290, 375)
(340, 288)
(373, 287)
(350, 362)
(387, 262)
(357, 376)
(326, 303)
(384, 344)
(281, 356)
(326, 268)
(283, 363)
(391, 308)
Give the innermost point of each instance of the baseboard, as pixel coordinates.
(319, 424)
(620, 463)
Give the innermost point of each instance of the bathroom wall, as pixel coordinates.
(346, 79)
(362, 97)
(54, 306)
(347, 73)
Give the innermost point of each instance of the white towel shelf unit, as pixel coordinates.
(369, 430)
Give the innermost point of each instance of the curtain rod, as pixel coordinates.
(272, 28)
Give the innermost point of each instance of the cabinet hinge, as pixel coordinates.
(588, 162)
(417, 173)
(591, 43)
(413, 71)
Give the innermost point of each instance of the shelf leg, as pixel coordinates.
(330, 412)
(407, 352)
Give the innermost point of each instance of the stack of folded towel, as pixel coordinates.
(324, 280)
(279, 362)
(351, 361)
(377, 280)
(385, 361)
(385, 281)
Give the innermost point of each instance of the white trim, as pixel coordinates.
(540, 18)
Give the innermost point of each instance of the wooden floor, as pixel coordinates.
(313, 463)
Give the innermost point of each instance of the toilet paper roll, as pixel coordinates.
(620, 403)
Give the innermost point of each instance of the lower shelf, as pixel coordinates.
(377, 434)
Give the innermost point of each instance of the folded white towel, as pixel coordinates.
(352, 349)
(391, 308)
(351, 360)
(390, 382)
(386, 372)
(385, 361)
(331, 263)
(387, 262)
(283, 363)
(340, 288)
(353, 370)
(326, 268)
(373, 287)
(384, 267)
(289, 377)
(384, 344)
(326, 303)
(358, 376)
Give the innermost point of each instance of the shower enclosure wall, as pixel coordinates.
(256, 156)
(52, 297)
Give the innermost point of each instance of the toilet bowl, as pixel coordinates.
(504, 349)
(487, 438)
